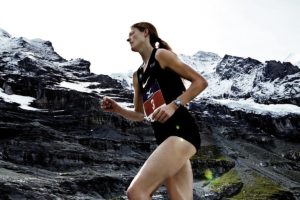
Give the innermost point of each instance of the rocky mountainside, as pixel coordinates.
(293, 58)
(56, 143)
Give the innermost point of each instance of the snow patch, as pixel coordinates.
(216, 88)
(82, 86)
(24, 101)
(124, 78)
(3, 34)
(249, 106)
(293, 58)
(128, 106)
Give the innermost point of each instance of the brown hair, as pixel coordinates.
(141, 26)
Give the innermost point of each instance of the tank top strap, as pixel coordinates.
(148, 73)
(151, 62)
(140, 76)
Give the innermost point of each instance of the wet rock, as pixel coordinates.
(292, 155)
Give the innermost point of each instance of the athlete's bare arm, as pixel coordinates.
(168, 59)
(111, 105)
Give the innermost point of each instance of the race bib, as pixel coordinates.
(153, 99)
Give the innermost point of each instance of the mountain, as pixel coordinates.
(124, 78)
(293, 58)
(203, 62)
(56, 142)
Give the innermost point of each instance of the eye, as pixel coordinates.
(131, 33)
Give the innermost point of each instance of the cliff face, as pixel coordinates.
(250, 112)
(55, 141)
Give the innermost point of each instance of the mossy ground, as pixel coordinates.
(230, 178)
(256, 187)
(236, 183)
(259, 187)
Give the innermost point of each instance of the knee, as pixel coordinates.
(134, 192)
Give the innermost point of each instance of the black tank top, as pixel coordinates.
(169, 82)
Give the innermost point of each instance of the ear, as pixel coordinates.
(146, 32)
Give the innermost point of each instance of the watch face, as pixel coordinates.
(178, 102)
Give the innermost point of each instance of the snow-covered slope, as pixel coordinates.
(28, 65)
(36, 52)
(293, 58)
(124, 78)
(236, 79)
(204, 62)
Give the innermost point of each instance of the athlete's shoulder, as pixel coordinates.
(135, 73)
(164, 57)
(164, 53)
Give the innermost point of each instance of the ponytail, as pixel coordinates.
(154, 39)
(162, 44)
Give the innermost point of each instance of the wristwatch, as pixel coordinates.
(177, 103)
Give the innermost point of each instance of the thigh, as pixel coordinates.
(167, 159)
(180, 185)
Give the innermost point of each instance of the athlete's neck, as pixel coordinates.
(145, 54)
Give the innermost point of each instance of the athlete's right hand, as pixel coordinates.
(109, 104)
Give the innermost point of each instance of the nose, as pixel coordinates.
(128, 40)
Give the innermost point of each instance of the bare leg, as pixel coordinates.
(167, 159)
(180, 185)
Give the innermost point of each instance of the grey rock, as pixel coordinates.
(68, 148)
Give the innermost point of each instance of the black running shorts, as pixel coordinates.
(180, 124)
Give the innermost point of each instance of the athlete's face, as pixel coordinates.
(136, 39)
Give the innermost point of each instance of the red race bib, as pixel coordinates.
(153, 99)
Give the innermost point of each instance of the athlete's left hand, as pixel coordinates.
(163, 113)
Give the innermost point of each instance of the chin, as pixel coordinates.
(133, 49)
